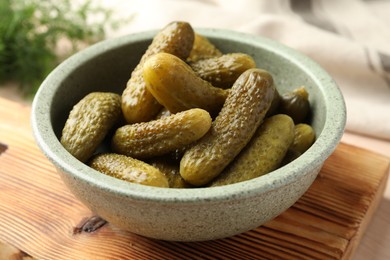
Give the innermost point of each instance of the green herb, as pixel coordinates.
(31, 30)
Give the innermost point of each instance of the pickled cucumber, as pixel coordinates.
(138, 105)
(304, 137)
(243, 111)
(273, 110)
(170, 168)
(295, 104)
(176, 86)
(158, 137)
(202, 49)
(164, 112)
(224, 70)
(263, 154)
(89, 122)
(128, 169)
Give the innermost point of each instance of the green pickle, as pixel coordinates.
(273, 110)
(164, 112)
(89, 122)
(243, 111)
(304, 137)
(170, 168)
(263, 154)
(295, 104)
(161, 136)
(138, 104)
(224, 70)
(128, 169)
(176, 86)
(202, 49)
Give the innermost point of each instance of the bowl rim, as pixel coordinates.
(312, 159)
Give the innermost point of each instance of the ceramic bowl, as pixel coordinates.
(196, 214)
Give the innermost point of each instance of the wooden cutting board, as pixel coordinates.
(40, 217)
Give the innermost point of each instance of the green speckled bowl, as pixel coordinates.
(185, 214)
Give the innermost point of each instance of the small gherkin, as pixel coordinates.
(244, 110)
(224, 70)
(89, 122)
(176, 86)
(138, 104)
(128, 169)
(263, 154)
(304, 137)
(161, 136)
(202, 49)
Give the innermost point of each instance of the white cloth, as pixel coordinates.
(350, 39)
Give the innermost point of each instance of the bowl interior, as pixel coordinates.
(107, 66)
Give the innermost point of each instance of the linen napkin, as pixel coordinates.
(350, 39)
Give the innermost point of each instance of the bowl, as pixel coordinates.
(196, 214)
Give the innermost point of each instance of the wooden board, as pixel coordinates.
(40, 217)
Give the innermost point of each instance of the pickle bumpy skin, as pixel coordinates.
(243, 111)
(223, 71)
(176, 86)
(161, 136)
(138, 105)
(263, 154)
(170, 168)
(202, 49)
(89, 122)
(128, 169)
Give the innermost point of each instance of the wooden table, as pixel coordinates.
(344, 214)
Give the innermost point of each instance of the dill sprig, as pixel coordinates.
(30, 32)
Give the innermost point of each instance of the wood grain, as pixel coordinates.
(12, 253)
(40, 217)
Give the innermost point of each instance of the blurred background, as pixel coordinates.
(348, 38)
(35, 36)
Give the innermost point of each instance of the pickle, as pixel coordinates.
(170, 168)
(176, 86)
(202, 49)
(138, 105)
(158, 137)
(263, 154)
(244, 109)
(128, 169)
(273, 110)
(295, 104)
(89, 122)
(304, 137)
(224, 70)
(164, 112)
